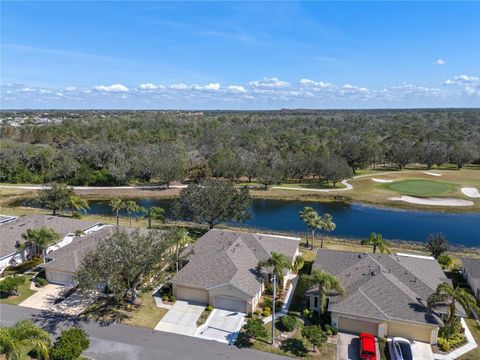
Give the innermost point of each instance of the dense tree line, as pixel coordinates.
(113, 147)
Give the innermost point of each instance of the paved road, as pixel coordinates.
(119, 342)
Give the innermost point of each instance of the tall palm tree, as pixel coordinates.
(131, 207)
(17, 341)
(377, 242)
(117, 205)
(278, 263)
(181, 240)
(327, 225)
(305, 216)
(446, 294)
(41, 238)
(326, 284)
(316, 222)
(153, 213)
(77, 203)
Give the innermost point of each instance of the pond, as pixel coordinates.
(353, 220)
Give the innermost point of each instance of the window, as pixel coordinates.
(315, 302)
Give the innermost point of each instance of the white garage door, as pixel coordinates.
(357, 326)
(60, 278)
(194, 295)
(232, 304)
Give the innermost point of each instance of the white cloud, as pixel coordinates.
(27, 89)
(118, 88)
(148, 86)
(237, 89)
(462, 79)
(70, 88)
(440, 62)
(269, 83)
(210, 86)
(317, 85)
(45, 91)
(354, 89)
(180, 86)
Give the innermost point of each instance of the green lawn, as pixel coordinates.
(24, 293)
(418, 187)
(294, 346)
(475, 329)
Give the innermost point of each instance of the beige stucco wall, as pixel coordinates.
(232, 292)
(189, 293)
(413, 331)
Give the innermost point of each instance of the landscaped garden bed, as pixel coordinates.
(204, 315)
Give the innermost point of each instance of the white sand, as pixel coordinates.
(471, 192)
(382, 180)
(433, 201)
(432, 174)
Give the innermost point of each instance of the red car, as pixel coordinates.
(367, 347)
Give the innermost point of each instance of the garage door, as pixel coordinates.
(409, 331)
(232, 304)
(61, 278)
(194, 295)
(357, 326)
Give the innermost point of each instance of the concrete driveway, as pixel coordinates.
(222, 326)
(44, 298)
(181, 318)
(348, 347)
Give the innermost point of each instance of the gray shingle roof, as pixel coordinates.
(383, 287)
(472, 266)
(11, 232)
(223, 257)
(70, 257)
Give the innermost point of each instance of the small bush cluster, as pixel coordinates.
(454, 341)
(209, 308)
(330, 330)
(41, 282)
(10, 285)
(21, 268)
(289, 322)
(70, 345)
(267, 303)
(266, 311)
(258, 312)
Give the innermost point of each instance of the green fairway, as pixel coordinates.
(421, 187)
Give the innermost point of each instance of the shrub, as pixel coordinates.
(454, 341)
(209, 308)
(266, 308)
(315, 335)
(76, 215)
(165, 298)
(269, 289)
(173, 298)
(70, 345)
(266, 313)
(307, 313)
(26, 265)
(41, 281)
(258, 312)
(10, 285)
(254, 328)
(267, 303)
(331, 330)
(289, 322)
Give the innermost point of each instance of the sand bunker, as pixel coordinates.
(432, 201)
(432, 174)
(471, 192)
(382, 180)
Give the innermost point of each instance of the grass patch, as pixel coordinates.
(106, 311)
(24, 293)
(475, 330)
(204, 316)
(421, 187)
(292, 344)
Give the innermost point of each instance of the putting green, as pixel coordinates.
(421, 187)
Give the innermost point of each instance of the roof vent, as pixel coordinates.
(373, 273)
(362, 255)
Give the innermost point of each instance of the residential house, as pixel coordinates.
(63, 263)
(471, 274)
(385, 295)
(222, 268)
(11, 232)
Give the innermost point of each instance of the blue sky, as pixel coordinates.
(237, 55)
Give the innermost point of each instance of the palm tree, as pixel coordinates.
(305, 216)
(41, 238)
(153, 213)
(327, 225)
(17, 341)
(77, 203)
(326, 284)
(446, 294)
(377, 241)
(181, 240)
(117, 205)
(279, 263)
(131, 207)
